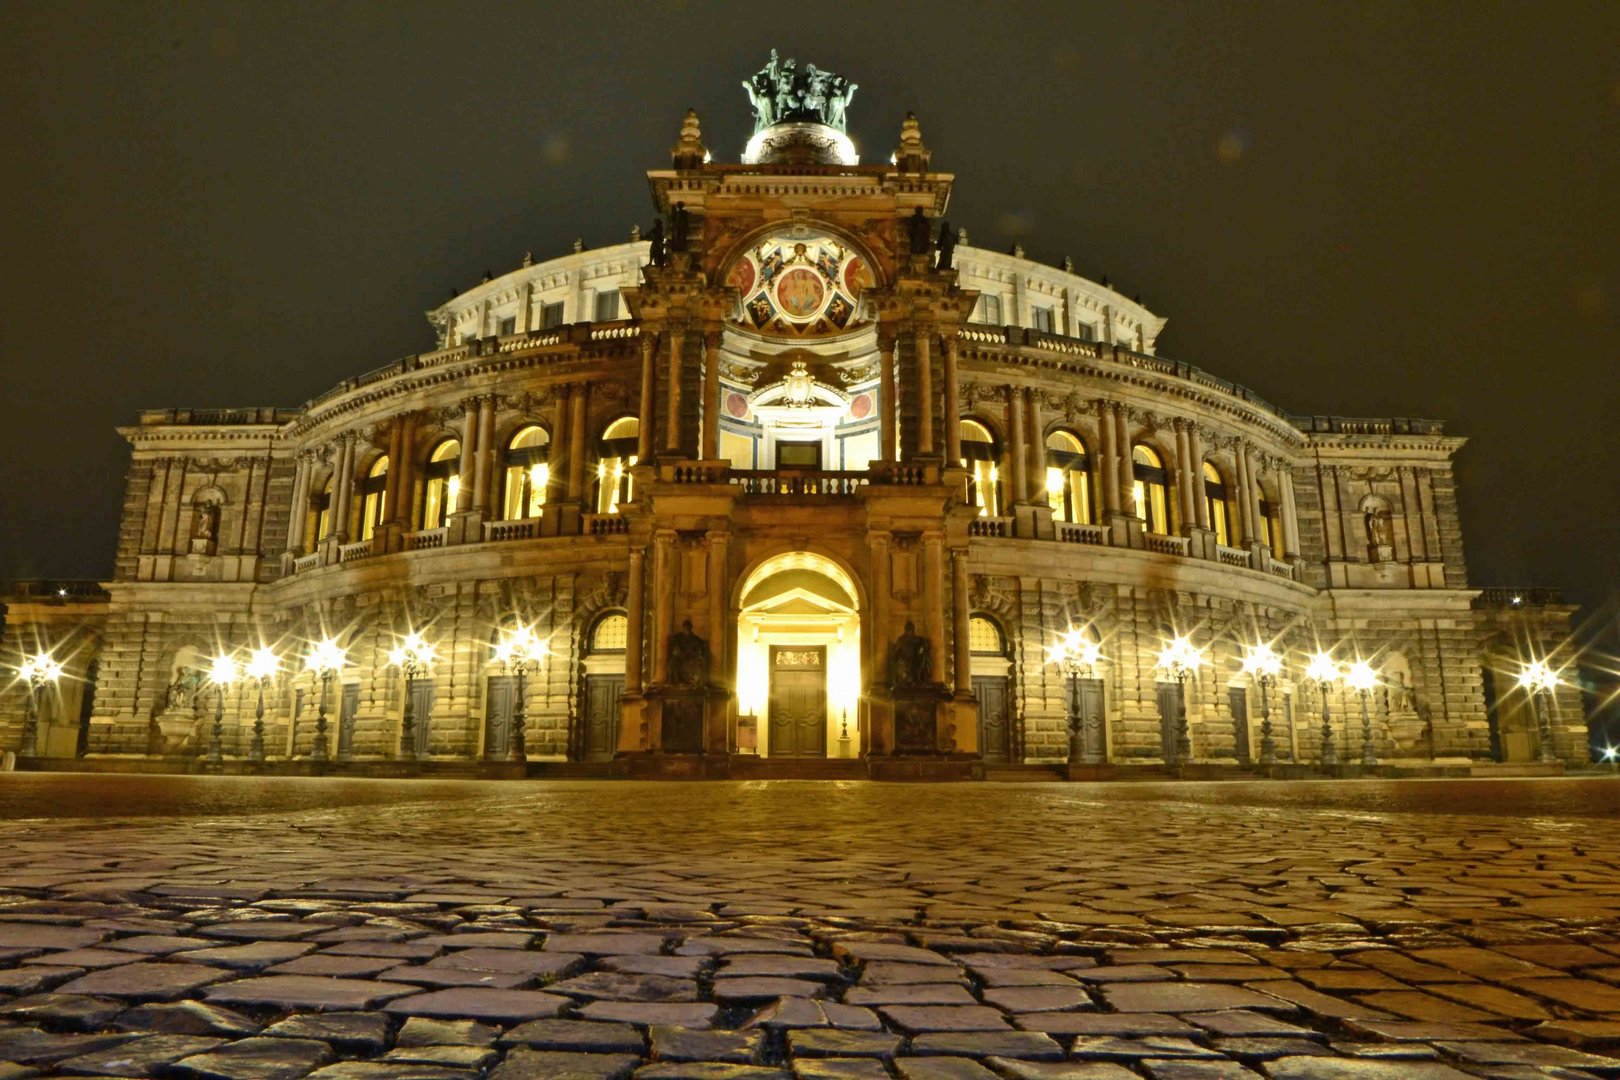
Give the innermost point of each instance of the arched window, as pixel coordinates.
(527, 474)
(1270, 524)
(1068, 478)
(984, 637)
(610, 634)
(322, 508)
(1151, 489)
(441, 492)
(615, 454)
(371, 508)
(979, 457)
(1220, 508)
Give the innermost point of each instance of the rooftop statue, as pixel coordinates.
(781, 93)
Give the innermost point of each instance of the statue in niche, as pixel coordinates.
(1401, 698)
(657, 254)
(1380, 527)
(922, 242)
(205, 528)
(182, 692)
(689, 659)
(947, 245)
(911, 661)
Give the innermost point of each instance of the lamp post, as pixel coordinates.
(1263, 665)
(1180, 658)
(221, 674)
(262, 666)
(1077, 655)
(1324, 672)
(412, 656)
(325, 660)
(38, 669)
(521, 653)
(1539, 681)
(1361, 678)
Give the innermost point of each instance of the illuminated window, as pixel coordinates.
(988, 310)
(1220, 507)
(323, 514)
(984, 637)
(1270, 526)
(442, 485)
(1045, 319)
(527, 474)
(615, 454)
(611, 634)
(372, 507)
(607, 305)
(1068, 478)
(980, 458)
(1151, 489)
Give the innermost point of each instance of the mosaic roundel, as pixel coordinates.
(799, 286)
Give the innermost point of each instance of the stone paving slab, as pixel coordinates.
(587, 934)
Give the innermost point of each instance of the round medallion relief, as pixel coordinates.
(861, 407)
(737, 405)
(800, 292)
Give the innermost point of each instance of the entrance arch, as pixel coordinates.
(799, 657)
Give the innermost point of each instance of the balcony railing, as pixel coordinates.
(306, 563)
(524, 529)
(990, 526)
(606, 524)
(425, 538)
(360, 549)
(1167, 545)
(793, 482)
(1070, 532)
(1231, 556)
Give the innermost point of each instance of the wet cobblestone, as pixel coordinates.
(813, 931)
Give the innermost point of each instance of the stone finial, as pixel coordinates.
(579, 244)
(488, 276)
(1068, 265)
(635, 232)
(961, 235)
(528, 258)
(1104, 282)
(913, 155)
(689, 152)
(1017, 250)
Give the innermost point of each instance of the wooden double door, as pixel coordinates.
(798, 701)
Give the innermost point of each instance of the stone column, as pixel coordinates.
(343, 489)
(710, 449)
(672, 392)
(953, 406)
(634, 615)
(525, 302)
(396, 440)
(1127, 470)
(1036, 441)
(925, 397)
(300, 507)
(1245, 486)
(933, 601)
(560, 455)
(405, 466)
(1187, 477)
(1290, 520)
(962, 666)
(579, 399)
(663, 600)
(648, 413)
(889, 404)
(464, 466)
(877, 732)
(1108, 453)
(719, 595)
(482, 465)
(1017, 452)
(1251, 469)
(1195, 447)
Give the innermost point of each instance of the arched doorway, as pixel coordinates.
(799, 658)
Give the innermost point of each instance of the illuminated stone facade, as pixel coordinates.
(797, 419)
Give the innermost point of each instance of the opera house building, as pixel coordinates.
(796, 475)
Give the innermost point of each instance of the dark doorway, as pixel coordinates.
(348, 706)
(87, 705)
(602, 693)
(502, 695)
(421, 691)
(1237, 699)
(798, 701)
(1089, 708)
(994, 728)
(1169, 715)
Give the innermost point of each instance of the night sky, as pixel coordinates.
(1364, 210)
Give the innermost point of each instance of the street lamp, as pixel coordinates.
(520, 652)
(1180, 658)
(1078, 655)
(261, 667)
(1361, 678)
(1539, 681)
(1263, 665)
(325, 660)
(221, 674)
(412, 655)
(1323, 670)
(39, 669)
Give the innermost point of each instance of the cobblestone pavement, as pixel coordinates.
(262, 930)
